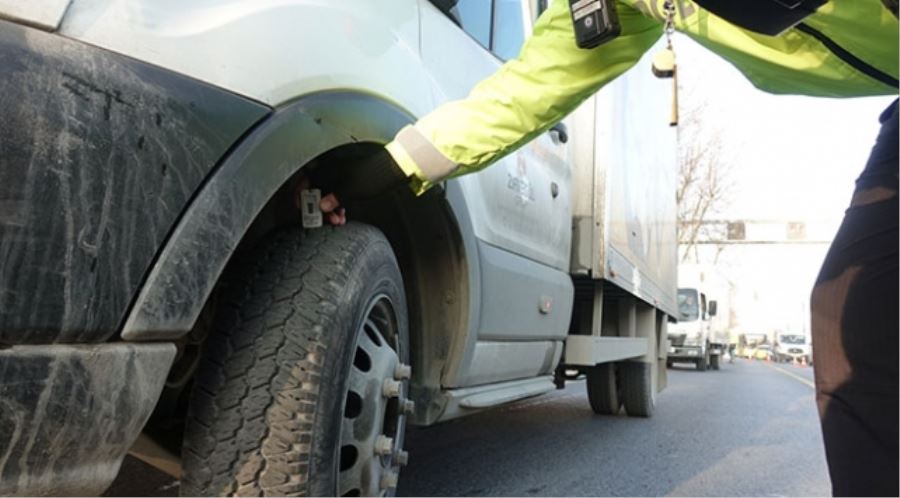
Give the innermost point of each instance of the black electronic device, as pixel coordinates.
(768, 17)
(596, 22)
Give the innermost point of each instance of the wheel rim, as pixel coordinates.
(374, 418)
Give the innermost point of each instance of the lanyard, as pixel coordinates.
(664, 61)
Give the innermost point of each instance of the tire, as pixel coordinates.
(714, 361)
(308, 332)
(703, 362)
(638, 392)
(604, 389)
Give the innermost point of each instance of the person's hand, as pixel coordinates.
(358, 179)
(331, 208)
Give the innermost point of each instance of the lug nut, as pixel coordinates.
(391, 388)
(402, 372)
(389, 480)
(408, 406)
(384, 445)
(401, 457)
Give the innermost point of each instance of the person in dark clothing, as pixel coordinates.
(855, 331)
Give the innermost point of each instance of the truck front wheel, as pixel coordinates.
(714, 361)
(703, 361)
(303, 383)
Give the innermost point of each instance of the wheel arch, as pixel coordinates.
(436, 267)
(252, 193)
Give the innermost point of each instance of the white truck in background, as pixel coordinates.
(792, 346)
(702, 333)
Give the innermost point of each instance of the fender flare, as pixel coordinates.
(196, 252)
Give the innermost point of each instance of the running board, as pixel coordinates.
(469, 400)
(590, 350)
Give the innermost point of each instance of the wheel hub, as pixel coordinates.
(371, 451)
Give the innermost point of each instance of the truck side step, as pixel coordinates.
(472, 399)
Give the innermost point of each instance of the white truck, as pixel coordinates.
(792, 347)
(702, 334)
(158, 294)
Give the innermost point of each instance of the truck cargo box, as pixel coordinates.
(624, 181)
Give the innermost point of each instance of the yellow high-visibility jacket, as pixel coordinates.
(847, 48)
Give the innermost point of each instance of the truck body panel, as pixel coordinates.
(100, 153)
(231, 44)
(43, 14)
(624, 197)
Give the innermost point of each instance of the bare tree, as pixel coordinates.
(703, 186)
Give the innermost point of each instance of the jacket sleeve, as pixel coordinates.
(550, 78)
(798, 62)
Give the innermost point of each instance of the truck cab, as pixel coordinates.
(701, 334)
(689, 337)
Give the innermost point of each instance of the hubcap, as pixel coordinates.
(374, 419)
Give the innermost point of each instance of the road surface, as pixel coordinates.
(748, 429)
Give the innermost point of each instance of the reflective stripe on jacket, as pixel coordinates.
(847, 48)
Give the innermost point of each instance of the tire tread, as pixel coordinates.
(603, 389)
(637, 389)
(240, 437)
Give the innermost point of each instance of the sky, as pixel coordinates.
(790, 158)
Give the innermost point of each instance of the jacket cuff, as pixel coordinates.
(417, 181)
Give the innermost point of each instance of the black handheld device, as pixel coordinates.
(769, 17)
(596, 21)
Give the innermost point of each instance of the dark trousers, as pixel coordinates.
(855, 330)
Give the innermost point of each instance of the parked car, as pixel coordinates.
(762, 352)
(747, 343)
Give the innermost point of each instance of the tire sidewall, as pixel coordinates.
(374, 273)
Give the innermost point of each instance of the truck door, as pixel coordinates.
(522, 203)
(518, 210)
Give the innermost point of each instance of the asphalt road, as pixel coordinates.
(748, 429)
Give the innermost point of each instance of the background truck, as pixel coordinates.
(792, 346)
(158, 295)
(703, 331)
